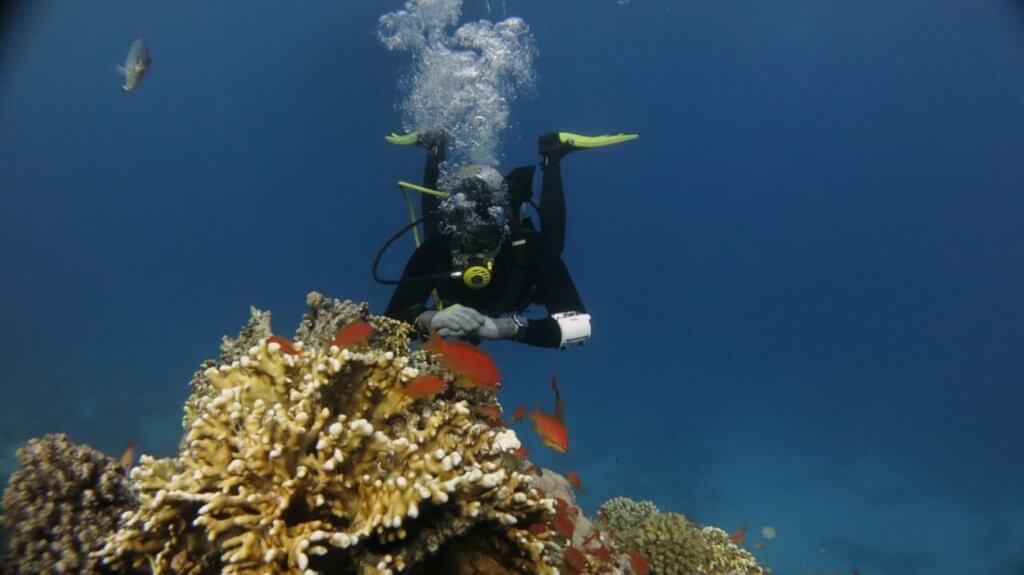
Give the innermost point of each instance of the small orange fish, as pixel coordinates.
(127, 457)
(740, 536)
(551, 431)
(521, 452)
(640, 564)
(285, 343)
(759, 546)
(472, 364)
(603, 554)
(425, 386)
(576, 560)
(551, 428)
(355, 332)
(574, 480)
(519, 414)
(563, 523)
(493, 413)
(564, 526)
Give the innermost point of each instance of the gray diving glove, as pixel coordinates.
(453, 321)
(498, 328)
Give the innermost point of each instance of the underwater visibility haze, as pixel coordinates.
(803, 279)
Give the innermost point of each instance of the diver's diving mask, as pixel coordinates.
(476, 226)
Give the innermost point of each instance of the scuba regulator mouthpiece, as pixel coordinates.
(476, 270)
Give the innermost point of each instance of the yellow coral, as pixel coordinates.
(675, 546)
(317, 461)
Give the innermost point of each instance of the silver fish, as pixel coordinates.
(135, 65)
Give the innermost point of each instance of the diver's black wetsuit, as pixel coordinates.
(537, 276)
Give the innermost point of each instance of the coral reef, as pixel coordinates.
(673, 544)
(310, 456)
(307, 458)
(61, 505)
(622, 513)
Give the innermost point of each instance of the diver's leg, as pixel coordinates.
(553, 147)
(552, 198)
(434, 142)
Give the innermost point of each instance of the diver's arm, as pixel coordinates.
(410, 297)
(567, 322)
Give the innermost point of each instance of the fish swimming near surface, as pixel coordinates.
(136, 64)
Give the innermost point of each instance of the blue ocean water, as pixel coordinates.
(805, 276)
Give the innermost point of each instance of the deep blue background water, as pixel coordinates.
(805, 276)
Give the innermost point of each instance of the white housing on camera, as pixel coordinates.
(575, 327)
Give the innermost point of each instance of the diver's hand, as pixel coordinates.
(456, 321)
(498, 328)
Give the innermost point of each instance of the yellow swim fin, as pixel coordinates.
(581, 141)
(432, 140)
(409, 139)
(557, 144)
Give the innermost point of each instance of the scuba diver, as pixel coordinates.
(482, 260)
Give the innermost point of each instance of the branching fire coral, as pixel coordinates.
(307, 458)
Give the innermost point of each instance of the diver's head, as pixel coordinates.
(477, 178)
(475, 220)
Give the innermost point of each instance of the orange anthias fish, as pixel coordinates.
(563, 522)
(519, 414)
(285, 343)
(472, 364)
(425, 386)
(574, 480)
(353, 333)
(575, 559)
(603, 554)
(740, 536)
(492, 413)
(520, 452)
(127, 457)
(551, 428)
(640, 564)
